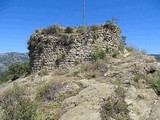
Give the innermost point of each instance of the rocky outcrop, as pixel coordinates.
(141, 103)
(89, 99)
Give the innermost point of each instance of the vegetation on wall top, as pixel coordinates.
(61, 32)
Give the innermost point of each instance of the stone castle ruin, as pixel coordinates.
(56, 46)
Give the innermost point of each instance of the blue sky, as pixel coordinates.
(138, 19)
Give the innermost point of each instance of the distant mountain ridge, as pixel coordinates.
(7, 59)
(157, 56)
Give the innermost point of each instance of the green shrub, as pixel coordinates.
(99, 65)
(137, 77)
(93, 69)
(69, 30)
(52, 30)
(112, 27)
(4, 77)
(46, 91)
(120, 92)
(65, 40)
(94, 28)
(98, 54)
(42, 90)
(115, 109)
(16, 107)
(15, 71)
(154, 83)
(32, 43)
(111, 24)
(75, 73)
(56, 105)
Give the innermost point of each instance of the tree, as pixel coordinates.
(15, 71)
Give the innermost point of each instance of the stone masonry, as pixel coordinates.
(47, 52)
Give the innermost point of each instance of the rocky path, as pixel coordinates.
(87, 104)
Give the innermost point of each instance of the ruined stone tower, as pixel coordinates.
(55, 46)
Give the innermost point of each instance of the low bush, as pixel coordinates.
(137, 77)
(65, 40)
(93, 69)
(75, 73)
(94, 28)
(52, 30)
(98, 54)
(42, 90)
(98, 65)
(46, 91)
(32, 43)
(69, 30)
(15, 71)
(111, 24)
(4, 77)
(154, 83)
(16, 107)
(116, 109)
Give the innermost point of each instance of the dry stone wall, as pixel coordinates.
(47, 52)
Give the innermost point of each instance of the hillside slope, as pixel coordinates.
(11, 58)
(116, 88)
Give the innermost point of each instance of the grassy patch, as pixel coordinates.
(60, 72)
(66, 40)
(116, 109)
(52, 30)
(98, 54)
(137, 77)
(16, 107)
(93, 69)
(154, 83)
(46, 91)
